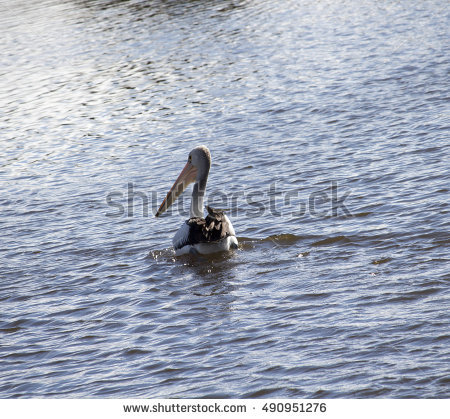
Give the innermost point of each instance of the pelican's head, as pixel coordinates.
(196, 170)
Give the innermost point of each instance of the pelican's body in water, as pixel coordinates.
(205, 235)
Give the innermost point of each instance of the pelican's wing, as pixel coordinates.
(192, 231)
(217, 225)
(181, 238)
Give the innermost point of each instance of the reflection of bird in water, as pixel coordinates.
(211, 234)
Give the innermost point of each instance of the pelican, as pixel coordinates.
(211, 234)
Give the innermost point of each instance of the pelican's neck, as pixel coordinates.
(198, 193)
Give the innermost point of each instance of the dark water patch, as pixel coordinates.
(90, 338)
(323, 394)
(303, 254)
(413, 295)
(135, 353)
(374, 392)
(153, 366)
(381, 261)
(37, 354)
(263, 393)
(283, 239)
(442, 338)
(313, 296)
(362, 214)
(70, 311)
(17, 324)
(10, 329)
(443, 381)
(332, 240)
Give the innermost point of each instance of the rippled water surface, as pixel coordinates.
(327, 123)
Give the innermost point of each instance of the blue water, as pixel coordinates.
(328, 125)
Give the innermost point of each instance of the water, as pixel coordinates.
(328, 127)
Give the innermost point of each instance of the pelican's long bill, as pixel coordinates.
(186, 177)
